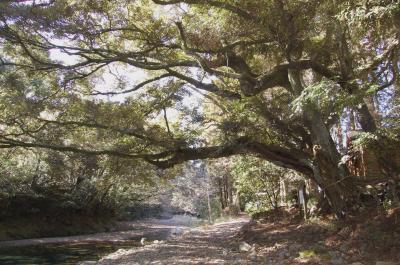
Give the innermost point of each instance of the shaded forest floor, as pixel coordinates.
(276, 240)
(283, 238)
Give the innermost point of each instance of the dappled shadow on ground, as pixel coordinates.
(326, 242)
(215, 245)
(275, 242)
(290, 242)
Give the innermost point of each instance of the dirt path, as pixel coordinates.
(270, 243)
(213, 245)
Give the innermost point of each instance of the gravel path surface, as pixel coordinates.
(213, 245)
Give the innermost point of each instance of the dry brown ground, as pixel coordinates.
(365, 239)
(210, 245)
(277, 239)
(280, 241)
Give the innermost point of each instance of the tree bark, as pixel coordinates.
(330, 175)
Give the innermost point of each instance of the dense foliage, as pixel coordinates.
(53, 183)
(263, 186)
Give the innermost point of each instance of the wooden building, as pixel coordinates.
(363, 162)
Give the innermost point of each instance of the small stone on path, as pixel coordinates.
(244, 247)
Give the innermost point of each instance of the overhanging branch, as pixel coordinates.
(284, 157)
(280, 156)
(135, 88)
(207, 87)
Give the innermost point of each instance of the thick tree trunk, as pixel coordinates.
(326, 175)
(330, 175)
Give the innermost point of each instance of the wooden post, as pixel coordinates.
(303, 200)
(283, 191)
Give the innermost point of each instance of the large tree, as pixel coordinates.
(279, 74)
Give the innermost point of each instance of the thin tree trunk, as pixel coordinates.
(221, 194)
(209, 200)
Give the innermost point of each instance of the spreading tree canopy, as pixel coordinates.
(270, 78)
